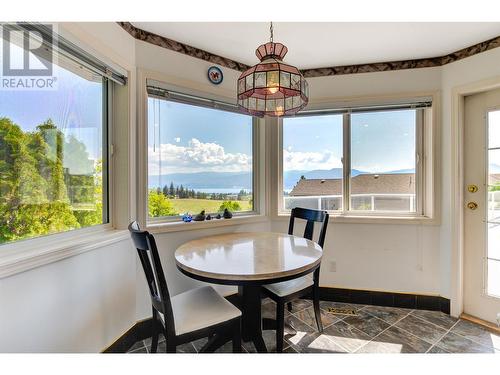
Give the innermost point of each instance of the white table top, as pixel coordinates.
(248, 256)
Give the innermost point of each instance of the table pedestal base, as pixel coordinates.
(251, 319)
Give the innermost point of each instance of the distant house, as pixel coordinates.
(386, 192)
(393, 183)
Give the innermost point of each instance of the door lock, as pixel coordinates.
(472, 205)
(472, 188)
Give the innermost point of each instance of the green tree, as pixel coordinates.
(159, 205)
(230, 205)
(33, 198)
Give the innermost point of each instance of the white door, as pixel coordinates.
(482, 207)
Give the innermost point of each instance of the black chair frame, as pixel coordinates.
(161, 303)
(312, 217)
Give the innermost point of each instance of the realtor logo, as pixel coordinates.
(27, 57)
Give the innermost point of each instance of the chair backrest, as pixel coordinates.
(148, 254)
(311, 216)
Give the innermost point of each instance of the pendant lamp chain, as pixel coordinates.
(271, 30)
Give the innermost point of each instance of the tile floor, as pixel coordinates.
(375, 329)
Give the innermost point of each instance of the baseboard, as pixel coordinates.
(484, 323)
(139, 331)
(370, 297)
(142, 329)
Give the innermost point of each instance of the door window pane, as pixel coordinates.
(494, 277)
(494, 129)
(198, 159)
(383, 161)
(312, 162)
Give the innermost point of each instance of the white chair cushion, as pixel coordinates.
(200, 308)
(286, 288)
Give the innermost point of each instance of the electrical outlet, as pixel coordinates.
(333, 266)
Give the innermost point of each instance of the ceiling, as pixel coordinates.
(325, 44)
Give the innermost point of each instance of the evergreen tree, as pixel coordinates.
(171, 190)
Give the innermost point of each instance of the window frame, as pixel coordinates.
(427, 188)
(14, 248)
(174, 223)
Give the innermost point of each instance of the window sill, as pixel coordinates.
(28, 254)
(179, 226)
(372, 219)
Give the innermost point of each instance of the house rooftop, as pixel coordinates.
(388, 183)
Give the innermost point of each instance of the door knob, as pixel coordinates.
(472, 188)
(472, 205)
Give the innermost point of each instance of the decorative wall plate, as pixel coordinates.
(215, 75)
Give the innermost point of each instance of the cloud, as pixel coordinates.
(297, 160)
(196, 157)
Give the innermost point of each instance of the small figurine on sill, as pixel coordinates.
(200, 216)
(208, 217)
(218, 216)
(227, 214)
(187, 217)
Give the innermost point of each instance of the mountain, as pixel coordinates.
(206, 180)
(243, 180)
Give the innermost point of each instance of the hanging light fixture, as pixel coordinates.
(272, 87)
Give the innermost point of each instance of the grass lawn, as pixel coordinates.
(194, 206)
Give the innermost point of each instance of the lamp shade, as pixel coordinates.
(272, 87)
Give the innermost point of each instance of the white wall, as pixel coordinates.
(79, 304)
(83, 303)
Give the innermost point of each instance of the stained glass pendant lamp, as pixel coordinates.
(272, 88)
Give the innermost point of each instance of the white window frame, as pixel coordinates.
(175, 223)
(427, 188)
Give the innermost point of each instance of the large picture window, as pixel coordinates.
(354, 161)
(199, 159)
(53, 147)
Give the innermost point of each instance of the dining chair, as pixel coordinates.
(188, 316)
(287, 291)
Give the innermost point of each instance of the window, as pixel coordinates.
(199, 158)
(356, 161)
(53, 153)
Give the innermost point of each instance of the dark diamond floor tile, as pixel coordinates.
(346, 336)
(437, 350)
(426, 331)
(367, 323)
(184, 348)
(388, 314)
(290, 350)
(395, 340)
(315, 343)
(139, 344)
(269, 337)
(300, 304)
(477, 333)
(139, 351)
(147, 342)
(457, 344)
(308, 317)
(296, 328)
(325, 305)
(436, 317)
(268, 310)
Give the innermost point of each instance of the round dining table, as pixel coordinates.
(249, 260)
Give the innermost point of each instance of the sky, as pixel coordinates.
(380, 141)
(75, 106)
